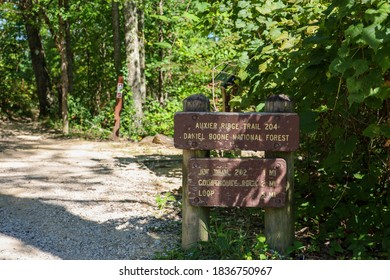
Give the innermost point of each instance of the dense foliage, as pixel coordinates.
(16, 87)
(332, 57)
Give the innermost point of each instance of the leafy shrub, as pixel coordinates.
(158, 118)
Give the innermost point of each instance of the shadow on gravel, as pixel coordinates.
(52, 229)
(161, 165)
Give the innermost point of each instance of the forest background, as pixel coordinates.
(60, 60)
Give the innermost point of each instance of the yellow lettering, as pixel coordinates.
(193, 136)
(272, 172)
(229, 126)
(240, 172)
(247, 137)
(272, 194)
(217, 183)
(277, 137)
(207, 193)
(271, 126)
(203, 172)
(249, 183)
(218, 137)
(252, 126)
(221, 172)
(207, 125)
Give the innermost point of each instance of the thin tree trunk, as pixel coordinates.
(161, 55)
(133, 62)
(38, 58)
(141, 38)
(69, 53)
(64, 45)
(117, 39)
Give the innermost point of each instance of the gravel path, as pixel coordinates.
(75, 199)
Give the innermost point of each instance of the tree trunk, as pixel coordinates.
(65, 53)
(161, 55)
(38, 58)
(141, 38)
(68, 50)
(133, 61)
(117, 39)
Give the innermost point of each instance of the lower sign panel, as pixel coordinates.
(223, 182)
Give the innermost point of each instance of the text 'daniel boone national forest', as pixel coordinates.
(241, 131)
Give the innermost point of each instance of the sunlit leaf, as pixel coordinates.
(369, 36)
(163, 45)
(191, 17)
(354, 30)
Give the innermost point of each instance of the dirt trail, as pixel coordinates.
(76, 199)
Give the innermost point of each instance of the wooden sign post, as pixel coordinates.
(118, 108)
(279, 222)
(195, 220)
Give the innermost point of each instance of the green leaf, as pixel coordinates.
(372, 131)
(383, 59)
(262, 257)
(354, 85)
(263, 67)
(369, 36)
(244, 59)
(275, 34)
(355, 98)
(354, 30)
(385, 130)
(191, 17)
(244, 14)
(242, 74)
(261, 238)
(385, 7)
(287, 44)
(240, 23)
(236, 100)
(260, 107)
(376, 16)
(308, 121)
(340, 65)
(360, 66)
(163, 45)
(161, 17)
(337, 132)
(243, 4)
(358, 176)
(346, 147)
(202, 6)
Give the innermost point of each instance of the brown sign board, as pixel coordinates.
(249, 182)
(236, 131)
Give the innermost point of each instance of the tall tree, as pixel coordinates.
(38, 59)
(116, 36)
(134, 61)
(66, 64)
(62, 39)
(141, 39)
(161, 54)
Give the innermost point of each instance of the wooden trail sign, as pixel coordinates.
(223, 182)
(231, 131)
(241, 182)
